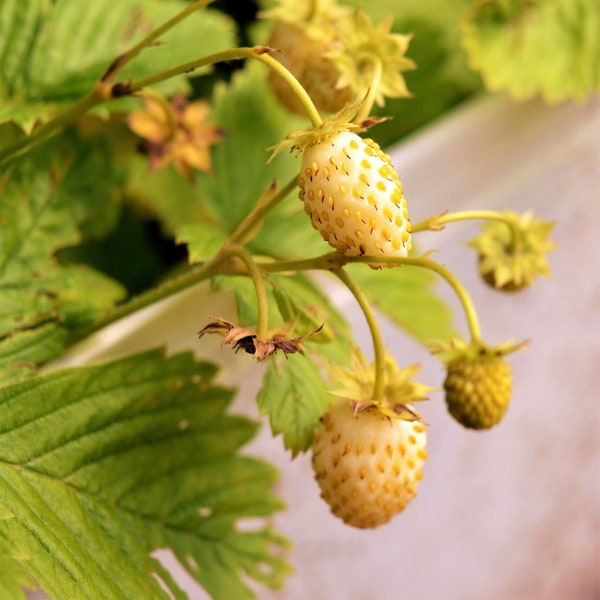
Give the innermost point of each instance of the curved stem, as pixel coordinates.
(379, 386)
(187, 67)
(334, 261)
(262, 300)
(150, 39)
(246, 228)
(51, 127)
(458, 288)
(369, 100)
(296, 86)
(438, 221)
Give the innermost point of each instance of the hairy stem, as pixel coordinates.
(379, 387)
(262, 300)
(305, 99)
(437, 222)
(246, 228)
(334, 261)
(116, 67)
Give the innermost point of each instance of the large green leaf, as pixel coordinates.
(45, 199)
(102, 465)
(51, 53)
(549, 48)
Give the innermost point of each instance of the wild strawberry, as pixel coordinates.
(478, 384)
(337, 54)
(368, 456)
(367, 465)
(353, 196)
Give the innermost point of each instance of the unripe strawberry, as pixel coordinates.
(353, 196)
(337, 54)
(478, 381)
(305, 57)
(367, 464)
(478, 390)
(512, 253)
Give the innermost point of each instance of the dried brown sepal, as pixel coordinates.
(246, 340)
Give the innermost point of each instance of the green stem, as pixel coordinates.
(187, 67)
(305, 99)
(367, 105)
(334, 261)
(248, 226)
(458, 288)
(170, 287)
(262, 326)
(379, 386)
(438, 221)
(128, 56)
(51, 127)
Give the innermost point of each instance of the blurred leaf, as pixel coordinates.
(101, 465)
(203, 240)
(407, 296)
(53, 52)
(549, 48)
(22, 351)
(294, 397)
(252, 122)
(45, 200)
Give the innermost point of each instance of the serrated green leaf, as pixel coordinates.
(407, 296)
(102, 465)
(294, 397)
(50, 65)
(549, 48)
(46, 198)
(21, 352)
(203, 240)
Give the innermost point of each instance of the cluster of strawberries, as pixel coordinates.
(368, 452)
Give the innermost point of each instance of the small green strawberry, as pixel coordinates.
(304, 33)
(368, 456)
(478, 384)
(337, 54)
(512, 256)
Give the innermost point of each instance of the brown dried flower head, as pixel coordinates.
(175, 132)
(240, 338)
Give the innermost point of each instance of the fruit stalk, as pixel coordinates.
(438, 221)
(262, 325)
(379, 351)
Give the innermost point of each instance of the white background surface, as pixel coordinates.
(509, 514)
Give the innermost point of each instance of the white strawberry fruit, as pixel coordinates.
(354, 198)
(367, 464)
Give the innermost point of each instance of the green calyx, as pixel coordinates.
(474, 351)
(356, 385)
(366, 48)
(511, 257)
(298, 141)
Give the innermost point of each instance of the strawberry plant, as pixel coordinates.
(133, 166)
